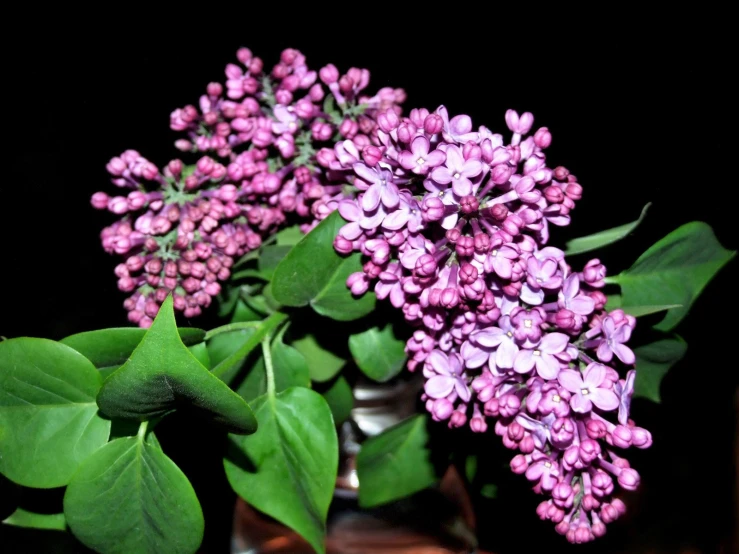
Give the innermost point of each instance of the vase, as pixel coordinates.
(439, 520)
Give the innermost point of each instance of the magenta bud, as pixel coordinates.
(554, 194)
(118, 205)
(621, 436)
(432, 208)
(589, 503)
(565, 319)
(432, 124)
(371, 155)
(100, 200)
(628, 479)
(342, 245)
(329, 74)
(573, 191)
(467, 273)
(501, 173)
(426, 265)
(519, 465)
(562, 494)
(563, 528)
(640, 437)
(449, 298)
(542, 137)
(469, 204)
(589, 450)
(596, 429)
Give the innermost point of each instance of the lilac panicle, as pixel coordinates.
(262, 155)
(454, 224)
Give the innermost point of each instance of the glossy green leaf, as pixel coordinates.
(313, 273)
(615, 301)
(598, 240)
(674, 271)
(290, 370)
(378, 353)
(49, 422)
(110, 348)
(162, 374)
(222, 346)
(24, 518)
(243, 313)
(652, 363)
(340, 399)
(289, 236)
(129, 497)
(269, 257)
(395, 464)
(288, 468)
(322, 363)
(200, 351)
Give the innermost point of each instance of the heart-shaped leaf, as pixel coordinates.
(378, 353)
(674, 271)
(615, 301)
(287, 469)
(290, 370)
(322, 363)
(49, 421)
(396, 463)
(33, 520)
(313, 273)
(107, 348)
(162, 374)
(340, 399)
(130, 497)
(289, 236)
(270, 257)
(652, 363)
(222, 346)
(598, 240)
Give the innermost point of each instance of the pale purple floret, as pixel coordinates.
(448, 376)
(587, 389)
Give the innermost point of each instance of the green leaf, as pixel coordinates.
(162, 374)
(288, 468)
(322, 363)
(378, 353)
(130, 497)
(290, 370)
(598, 240)
(222, 346)
(340, 399)
(615, 301)
(110, 348)
(244, 313)
(674, 271)
(396, 463)
(652, 363)
(23, 518)
(313, 273)
(200, 351)
(49, 421)
(289, 236)
(269, 257)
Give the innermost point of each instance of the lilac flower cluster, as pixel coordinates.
(260, 139)
(453, 223)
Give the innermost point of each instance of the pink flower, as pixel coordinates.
(457, 171)
(586, 389)
(419, 160)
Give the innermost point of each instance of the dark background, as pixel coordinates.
(641, 113)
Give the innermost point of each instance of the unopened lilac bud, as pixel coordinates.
(457, 419)
(432, 208)
(640, 437)
(126, 284)
(554, 194)
(589, 450)
(589, 502)
(449, 298)
(542, 137)
(433, 124)
(563, 495)
(329, 74)
(628, 479)
(118, 205)
(469, 204)
(467, 272)
(565, 319)
(426, 266)
(599, 298)
(465, 245)
(621, 436)
(516, 431)
(573, 191)
(357, 283)
(371, 155)
(519, 465)
(100, 200)
(594, 273)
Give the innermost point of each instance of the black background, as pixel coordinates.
(640, 111)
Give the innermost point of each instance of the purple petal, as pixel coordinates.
(580, 403)
(441, 175)
(439, 386)
(535, 472)
(389, 195)
(349, 210)
(435, 158)
(472, 168)
(371, 198)
(594, 376)
(397, 296)
(605, 399)
(604, 352)
(396, 220)
(571, 380)
(364, 172)
(450, 221)
(547, 366)
(373, 221)
(474, 357)
(624, 353)
(439, 362)
(622, 334)
(490, 337)
(582, 305)
(531, 297)
(524, 361)
(506, 354)
(351, 231)
(571, 286)
(420, 146)
(462, 390)
(554, 343)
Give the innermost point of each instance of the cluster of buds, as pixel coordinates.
(453, 223)
(256, 142)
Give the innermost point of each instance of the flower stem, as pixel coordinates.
(238, 326)
(142, 431)
(267, 353)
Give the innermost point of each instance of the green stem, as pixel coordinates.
(267, 353)
(262, 330)
(612, 280)
(142, 431)
(238, 326)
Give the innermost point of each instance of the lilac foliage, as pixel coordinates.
(453, 223)
(260, 143)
